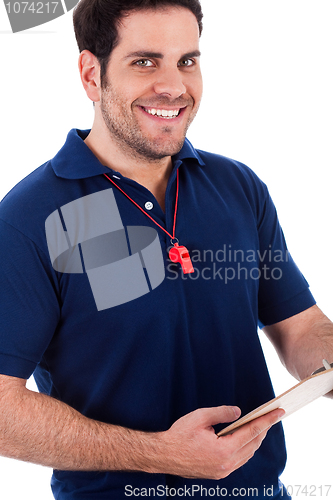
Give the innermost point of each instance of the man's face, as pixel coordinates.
(153, 85)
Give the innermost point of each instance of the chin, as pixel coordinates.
(159, 154)
(155, 148)
(165, 148)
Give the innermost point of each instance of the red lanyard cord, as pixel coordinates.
(176, 207)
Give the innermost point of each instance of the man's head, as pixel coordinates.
(150, 88)
(96, 22)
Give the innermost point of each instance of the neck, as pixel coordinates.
(153, 175)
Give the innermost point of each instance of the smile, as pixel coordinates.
(163, 113)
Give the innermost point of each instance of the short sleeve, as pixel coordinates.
(283, 290)
(29, 307)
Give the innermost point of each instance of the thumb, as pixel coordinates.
(221, 415)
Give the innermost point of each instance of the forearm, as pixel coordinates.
(303, 341)
(39, 429)
(309, 351)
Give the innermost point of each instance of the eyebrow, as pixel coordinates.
(158, 55)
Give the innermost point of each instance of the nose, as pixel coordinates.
(170, 83)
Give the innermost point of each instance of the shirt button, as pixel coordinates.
(149, 205)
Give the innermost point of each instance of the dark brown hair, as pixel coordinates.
(96, 22)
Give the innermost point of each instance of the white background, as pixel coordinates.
(268, 102)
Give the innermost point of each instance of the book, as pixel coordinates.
(308, 390)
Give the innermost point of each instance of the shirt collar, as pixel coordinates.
(188, 152)
(76, 161)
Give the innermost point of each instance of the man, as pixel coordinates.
(133, 354)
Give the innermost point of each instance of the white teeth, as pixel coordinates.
(163, 112)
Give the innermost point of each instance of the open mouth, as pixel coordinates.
(163, 113)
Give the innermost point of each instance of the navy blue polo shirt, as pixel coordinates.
(92, 306)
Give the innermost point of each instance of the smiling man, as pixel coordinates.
(148, 96)
(139, 354)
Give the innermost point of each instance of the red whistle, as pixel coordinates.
(180, 254)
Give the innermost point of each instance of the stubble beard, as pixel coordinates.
(125, 129)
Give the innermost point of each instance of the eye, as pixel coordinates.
(186, 63)
(144, 63)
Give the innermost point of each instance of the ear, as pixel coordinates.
(89, 68)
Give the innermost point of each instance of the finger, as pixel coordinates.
(252, 430)
(239, 461)
(220, 415)
(244, 454)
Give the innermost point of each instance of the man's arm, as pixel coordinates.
(39, 429)
(303, 341)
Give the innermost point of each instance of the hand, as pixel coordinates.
(193, 450)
